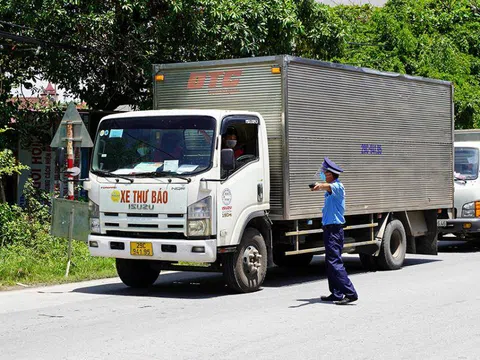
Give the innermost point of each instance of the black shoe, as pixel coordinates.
(330, 297)
(346, 300)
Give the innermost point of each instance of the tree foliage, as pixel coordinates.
(8, 167)
(429, 38)
(103, 51)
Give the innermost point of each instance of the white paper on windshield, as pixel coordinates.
(186, 168)
(146, 167)
(122, 171)
(170, 165)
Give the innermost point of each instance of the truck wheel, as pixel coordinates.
(136, 273)
(292, 261)
(393, 247)
(245, 270)
(369, 262)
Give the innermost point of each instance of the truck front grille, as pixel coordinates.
(143, 215)
(146, 226)
(146, 235)
(141, 222)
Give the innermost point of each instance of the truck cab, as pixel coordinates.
(465, 220)
(165, 187)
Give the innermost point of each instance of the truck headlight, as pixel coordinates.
(198, 228)
(95, 225)
(94, 217)
(94, 209)
(199, 218)
(471, 209)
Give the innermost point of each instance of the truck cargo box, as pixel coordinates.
(392, 134)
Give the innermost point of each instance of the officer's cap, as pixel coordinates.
(329, 165)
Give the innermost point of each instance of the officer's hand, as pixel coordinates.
(316, 187)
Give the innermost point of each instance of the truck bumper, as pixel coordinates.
(163, 249)
(461, 227)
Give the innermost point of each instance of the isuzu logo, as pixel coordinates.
(140, 207)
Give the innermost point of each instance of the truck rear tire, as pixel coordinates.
(291, 261)
(136, 273)
(245, 270)
(393, 247)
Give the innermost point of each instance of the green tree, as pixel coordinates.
(103, 51)
(8, 167)
(429, 38)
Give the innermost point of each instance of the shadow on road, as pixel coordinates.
(195, 285)
(181, 285)
(279, 277)
(317, 300)
(458, 246)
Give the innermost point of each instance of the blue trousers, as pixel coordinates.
(338, 280)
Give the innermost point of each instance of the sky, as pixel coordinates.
(62, 96)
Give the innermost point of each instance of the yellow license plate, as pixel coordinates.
(141, 249)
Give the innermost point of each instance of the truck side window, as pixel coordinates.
(243, 139)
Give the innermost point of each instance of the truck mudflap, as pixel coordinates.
(461, 227)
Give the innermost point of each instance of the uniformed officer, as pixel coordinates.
(341, 288)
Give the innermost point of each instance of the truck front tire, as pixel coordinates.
(136, 273)
(393, 247)
(245, 270)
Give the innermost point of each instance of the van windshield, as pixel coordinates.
(144, 145)
(466, 162)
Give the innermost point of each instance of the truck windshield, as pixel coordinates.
(466, 162)
(154, 144)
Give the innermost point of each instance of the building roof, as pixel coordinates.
(50, 90)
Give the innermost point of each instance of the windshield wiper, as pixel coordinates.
(110, 174)
(166, 174)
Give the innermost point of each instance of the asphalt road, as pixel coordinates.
(428, 310)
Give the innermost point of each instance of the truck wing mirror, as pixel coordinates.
(228, 159)
(60, 158)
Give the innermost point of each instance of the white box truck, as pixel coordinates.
(165, 194)
(464, 221)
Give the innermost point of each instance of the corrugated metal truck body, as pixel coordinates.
(392, 134)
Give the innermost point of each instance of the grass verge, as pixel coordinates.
(47, 265)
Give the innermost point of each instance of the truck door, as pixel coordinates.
(242, 191)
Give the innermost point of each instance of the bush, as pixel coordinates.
(29, 226)
(29, 254)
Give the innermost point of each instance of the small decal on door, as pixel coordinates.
(226, 211)
(226, 196)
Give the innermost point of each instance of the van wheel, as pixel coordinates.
(393, 247)
(245, 270)
(291, 261)
(136, 273)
